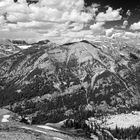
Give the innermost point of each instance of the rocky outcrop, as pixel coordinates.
(52, 82)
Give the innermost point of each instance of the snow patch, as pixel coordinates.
(47, 127)
(5, 118)
(55, 138)
(24, 46)
(19, 91)
(123, 120)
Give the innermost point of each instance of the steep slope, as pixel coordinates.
(7, 48)
(51, 82)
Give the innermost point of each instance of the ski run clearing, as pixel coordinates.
(43, 132)
(123, 120)
(47, 127)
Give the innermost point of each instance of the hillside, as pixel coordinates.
(52, 82)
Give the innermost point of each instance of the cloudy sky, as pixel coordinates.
(59, 20)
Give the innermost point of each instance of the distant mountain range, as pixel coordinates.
(7, 48)
(51, 82)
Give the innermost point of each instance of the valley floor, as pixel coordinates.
(124, 120)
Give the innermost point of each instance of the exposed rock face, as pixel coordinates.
(53, 82)
(7, 48)
(19, 42)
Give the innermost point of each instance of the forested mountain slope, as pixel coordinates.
(52, 82)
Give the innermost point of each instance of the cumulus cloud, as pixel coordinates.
(126, 35)
(1, 20)
(77, 17)
(109, 15)
(97, 26)
(26, 35)
(125, 24)
(128, 13)
(135, 26)
(4, 3)
(70, 36)
(82, 33)
(54, 10)
(55, 19)
(93, 9)
(109, 32)
(54, 33)
(46, 17)
(15, 11)
(76, 26)
(131, 35)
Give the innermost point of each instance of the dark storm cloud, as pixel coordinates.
(130, 9)
(125, 4)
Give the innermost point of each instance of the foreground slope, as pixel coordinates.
(12, 129)
(51, 82)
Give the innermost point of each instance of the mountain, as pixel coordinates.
(7, 48)
(52, 82)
